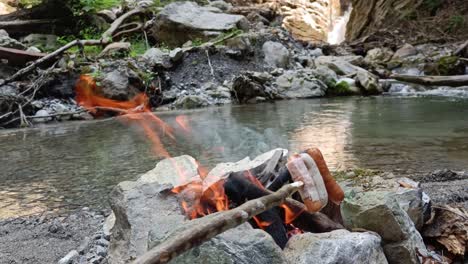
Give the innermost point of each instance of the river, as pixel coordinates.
(63, 166)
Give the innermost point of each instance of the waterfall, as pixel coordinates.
(337, 34)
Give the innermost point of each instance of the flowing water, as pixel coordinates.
(70, 165)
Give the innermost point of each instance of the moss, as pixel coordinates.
(340, 88)
(450, 65)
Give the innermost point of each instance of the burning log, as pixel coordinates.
(191, 237)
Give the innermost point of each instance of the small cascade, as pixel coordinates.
(338, 32)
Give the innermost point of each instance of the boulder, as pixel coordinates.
(165, 171)
(139, 207)
(250, 85)
(368, 81)
(216, 91)
(405, 51)
(155, 57)
(326, 75)
(7, 42)
(343, 65)
(42, 116)
(191, 101)
(180, 22)
(302, 83)
(176, 55)
(242, 245)
(378, 55)
(380, 212)
(339, 246)
(44, 41)
(115, 85)
(221, 5)
(276, 55)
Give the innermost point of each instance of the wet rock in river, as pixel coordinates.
(249, 85)
(339, 246)
(180, 22)
(369, 82)
(276, 55)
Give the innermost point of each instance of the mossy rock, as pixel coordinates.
(341, 88)
(450, 65)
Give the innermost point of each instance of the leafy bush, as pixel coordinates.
(455, 22)
(433, 5)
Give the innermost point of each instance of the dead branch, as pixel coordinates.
(461, 48)
(32, 22)
(106, 38)
(453, 81)
(217, 224)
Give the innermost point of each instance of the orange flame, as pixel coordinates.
(260, 223)
(199, 196)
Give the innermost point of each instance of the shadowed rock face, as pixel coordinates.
(368, 15)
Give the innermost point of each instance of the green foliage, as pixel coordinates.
(433, 5)
(138, 47)
(340, 88)
(29, 3)
(80, 7)
(455, 22)
(197, 42)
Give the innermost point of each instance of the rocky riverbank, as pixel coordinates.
(240, 55)
(86, 236)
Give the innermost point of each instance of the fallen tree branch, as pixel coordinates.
(106, 38)
(461, 48)
(17, 23)
(217, 224)
(454, 81)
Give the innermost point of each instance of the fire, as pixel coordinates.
(199, 196)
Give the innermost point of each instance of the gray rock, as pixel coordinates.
(33, 49)
(45, 41)
(343, 65)
(405, 51)
(380, 212)
(216, 91)
(164, 172)
(108, 225)
(250, 85)
(101, 251)
(3, 33)
(339, 246)
(70, 258)
(241, 245)
(138, 207)
(276, 55)
(176, 54)
(379, 55)
(240, 43)
(182, 21)
(223, 6)
(254, 166)
(326, 75)
(115, 85)
(7, 42)
(302, 83)
(155, 57)
(191, 101)
(368, 81)
(42, 116)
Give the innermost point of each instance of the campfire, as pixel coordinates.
(260, 195)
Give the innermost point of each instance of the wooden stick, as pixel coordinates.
(217, 224)
(454, 81)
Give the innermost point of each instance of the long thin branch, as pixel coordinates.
(461, 48)
(194, 236)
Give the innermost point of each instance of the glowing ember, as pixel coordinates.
(260, 223)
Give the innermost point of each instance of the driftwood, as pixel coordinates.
(454, 81)
(106, 38)
(217, 224)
